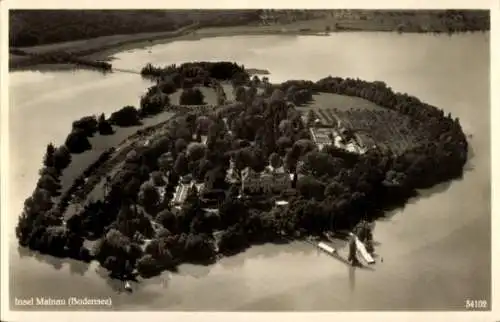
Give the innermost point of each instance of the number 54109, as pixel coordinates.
(476, 304)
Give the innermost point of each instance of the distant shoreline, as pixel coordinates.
(103, 48)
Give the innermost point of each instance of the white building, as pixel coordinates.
(266, 181)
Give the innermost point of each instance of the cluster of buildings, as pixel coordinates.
(268, 181)
(186, 183)
(354, 141)
(182, 189)
(271, 180)
(341, 138)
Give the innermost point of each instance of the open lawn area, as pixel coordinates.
(341, 102)
(228, 89)
(324, 101)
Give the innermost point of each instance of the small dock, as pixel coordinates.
(361, 253)
(125, 70)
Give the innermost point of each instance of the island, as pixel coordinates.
(214, 160)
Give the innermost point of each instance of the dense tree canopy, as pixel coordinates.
(191, 96)
(77, 141)
(36, 27)
(103, 126)
(127, 116)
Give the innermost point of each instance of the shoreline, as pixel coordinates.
(105, 47)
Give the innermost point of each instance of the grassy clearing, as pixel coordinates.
(341, 102)
(210, 95)
(228, 89)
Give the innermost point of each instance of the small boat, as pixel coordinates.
(128, 287)
(360, 250)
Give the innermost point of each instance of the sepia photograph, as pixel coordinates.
(246, 160)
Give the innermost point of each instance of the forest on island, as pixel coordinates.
(139, 231)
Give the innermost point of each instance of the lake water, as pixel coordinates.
(436, 251)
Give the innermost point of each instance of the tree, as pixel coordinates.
(259, 161)
(147, 266)
(148, 197)
(181, 164)
(282, 144)
(104, 126)
(233, 240)
(191, 96)
(334, 189)
(301, 97)
(251, 93)
(290, 91)
(167, 86)
(319, 163)
(165, 161)
(240, 78)
(277, 95)
(215, 179)
(303, 146)
(180, 145)
(51, 171)
(161, 145)
(240, 94)
(232, 211)
(77, 142)
(158, 248)
(127, 116)
(87, 125)
(286, 127)
(157, 178)
(196, 151)
(131, 220)
(310, 188)
(168, 220)
(62, 158)
(48, 183)
(203, 124)
(192, 195)
(153, 102)
(255, 80)
(198, 249)
(290, 161)
(275, 160)
(48, 159)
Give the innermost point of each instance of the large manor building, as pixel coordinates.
(267, 181)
